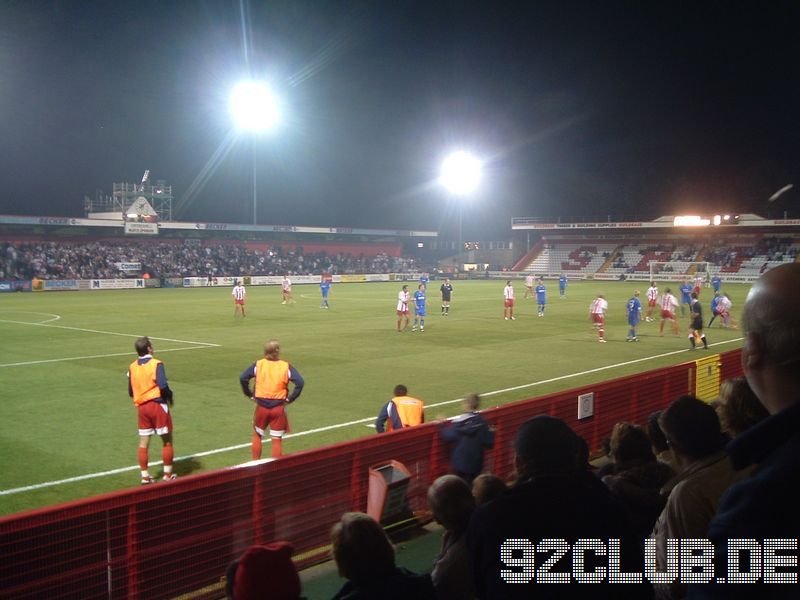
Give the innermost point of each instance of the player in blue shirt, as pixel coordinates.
(686, 295)
(324, 287)
(716, 283)
(634, 313)
(714, 303)
(541, 297)
(419, 308)
(562, 286)
(424, 279)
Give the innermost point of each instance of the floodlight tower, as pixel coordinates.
(460, 174)
(255, 110)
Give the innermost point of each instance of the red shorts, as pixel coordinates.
(651, 303)
(598, 318)
(402, 313)
(239, 302)
(274, 418)
(665, 314)
(154, 418)
(697, 289)
(509, 303)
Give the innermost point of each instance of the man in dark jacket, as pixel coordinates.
(470, 435)
(764, 506)
(554, 504)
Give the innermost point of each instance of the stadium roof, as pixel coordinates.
(666, 221)
(174, 225)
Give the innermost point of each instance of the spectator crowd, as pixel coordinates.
(98, 260)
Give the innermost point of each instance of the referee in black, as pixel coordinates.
(696, 326)
(447, 292)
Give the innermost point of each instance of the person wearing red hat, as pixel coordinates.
(264, 573)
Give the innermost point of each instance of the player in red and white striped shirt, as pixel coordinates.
(238, 294)
(668, 305)
(652, 295)
(597, 314)
(286, 290)
(508, 302)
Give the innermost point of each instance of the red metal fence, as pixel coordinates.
(165, 540)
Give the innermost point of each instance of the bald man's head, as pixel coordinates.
(771, 352)
(772, 317)
(451, 502)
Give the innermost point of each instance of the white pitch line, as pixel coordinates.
(47, 484)
(54, 316)
(588, 372)
(53, 360)
(162, 339)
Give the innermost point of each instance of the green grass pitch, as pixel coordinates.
(65, 412)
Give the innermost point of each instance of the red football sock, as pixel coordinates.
(167, 454)
(276, 447)
(256, 446)
(143, 459)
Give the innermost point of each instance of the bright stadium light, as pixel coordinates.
(254, 107)
(461, 173)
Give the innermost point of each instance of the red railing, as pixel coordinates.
(170, 539)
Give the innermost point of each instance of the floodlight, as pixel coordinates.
(461, 172)
(254, 107)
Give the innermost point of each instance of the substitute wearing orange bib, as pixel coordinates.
(401, 411)
(152, 396)
(271, 396)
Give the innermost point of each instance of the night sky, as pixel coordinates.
(578, 108)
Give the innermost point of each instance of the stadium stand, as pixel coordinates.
(94, 260)
(584, 258)
(750, 256)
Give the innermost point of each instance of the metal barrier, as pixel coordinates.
(165, 540)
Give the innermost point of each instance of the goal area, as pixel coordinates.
(679, 269)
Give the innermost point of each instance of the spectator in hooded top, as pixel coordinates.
(470, 435)
(764, 505)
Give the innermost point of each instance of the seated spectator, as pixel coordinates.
(553, 499)
(658, 441)
(452, 504)
(738, 407)
(263, 573)
(602, 464)
(365, 557)
(470, 435)
(704, 473)
(637, 477)
(487, 487)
